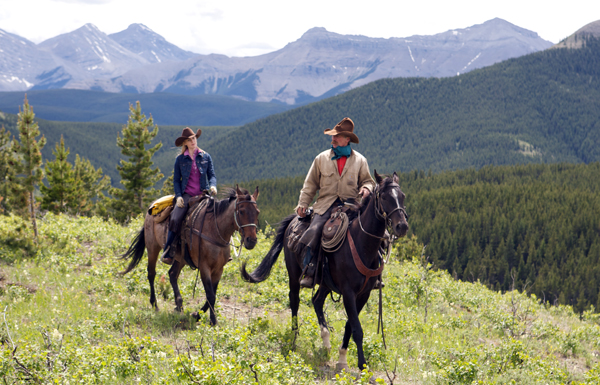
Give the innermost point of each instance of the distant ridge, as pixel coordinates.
(318, 65)
(577, 40)
(166, 109)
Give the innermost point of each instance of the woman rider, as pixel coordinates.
(192, 168)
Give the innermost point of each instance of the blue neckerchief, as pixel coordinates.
(341, 151)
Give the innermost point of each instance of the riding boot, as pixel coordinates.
(167, 255)
(308, 274)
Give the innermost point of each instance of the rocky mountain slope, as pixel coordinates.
(323, 63)
(318, 65)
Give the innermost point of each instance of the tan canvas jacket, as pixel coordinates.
(325, 178)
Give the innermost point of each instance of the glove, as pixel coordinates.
(180, 203)
(213, 190)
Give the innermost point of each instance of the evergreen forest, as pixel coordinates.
(533, 227)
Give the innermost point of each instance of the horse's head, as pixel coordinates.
(246, 216)
(391, 203)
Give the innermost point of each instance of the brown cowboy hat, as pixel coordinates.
(186, 134)
(344, 128)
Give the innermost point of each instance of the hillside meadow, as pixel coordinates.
(68, 317)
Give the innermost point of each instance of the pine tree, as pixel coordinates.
(137, 174)
(29, 168)
(59, 196)
(89, 186)
(7, 170)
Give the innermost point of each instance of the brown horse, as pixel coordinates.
(384, 207)
(208, 251)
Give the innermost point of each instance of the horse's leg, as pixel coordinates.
(318, 302)
(354, 329)
(294, 272)
(211, 296)
(153, 248)
(173, 277)
(152, 258)
(215, 283)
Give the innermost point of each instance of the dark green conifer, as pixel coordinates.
(29, 168)
(8, 162)
(59, 196)
(90, 183)
(137, 174)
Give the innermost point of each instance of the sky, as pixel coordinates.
(254, 27)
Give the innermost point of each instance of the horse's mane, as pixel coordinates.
(229, 195)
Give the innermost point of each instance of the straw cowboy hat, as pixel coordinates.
(186, 134)
(344, 128)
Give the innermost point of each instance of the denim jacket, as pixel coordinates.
(183, 167)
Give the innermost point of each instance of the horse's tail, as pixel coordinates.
(135, 251)
(264, 268)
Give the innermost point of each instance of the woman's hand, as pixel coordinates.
(213, 190)
(180, 203)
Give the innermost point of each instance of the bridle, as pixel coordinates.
(236, 214)
(382, 215)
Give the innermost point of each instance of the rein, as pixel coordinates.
(240, 228)
(383, 216)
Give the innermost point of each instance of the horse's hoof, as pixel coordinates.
(339, 367)
(196, 316)
(178, 309)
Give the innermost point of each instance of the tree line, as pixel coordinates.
(79, 188)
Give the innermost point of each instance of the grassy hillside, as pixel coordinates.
(167, 109)
(539, 108)
(68, 317)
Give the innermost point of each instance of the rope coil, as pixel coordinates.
(336, 242)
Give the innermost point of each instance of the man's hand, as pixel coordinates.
(364, 192)
(301, 211)
(213, 190)
(180, 203)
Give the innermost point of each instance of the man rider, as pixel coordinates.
(338, 174)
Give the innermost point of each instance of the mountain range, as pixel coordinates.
(318, 65)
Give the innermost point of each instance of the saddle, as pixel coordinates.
(297, 228)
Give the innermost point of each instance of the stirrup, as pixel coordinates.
(308, 273)
(307, 282)
(166, 256)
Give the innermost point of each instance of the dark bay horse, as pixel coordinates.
(384, 207)
(208, 251)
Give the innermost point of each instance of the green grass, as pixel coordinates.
(68, 317)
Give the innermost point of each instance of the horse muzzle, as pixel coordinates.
(250, 242)
(400, 229)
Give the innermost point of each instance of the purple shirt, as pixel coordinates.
(193, 185)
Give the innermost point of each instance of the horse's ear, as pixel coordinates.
(255, 195)
(378, 178)
(395, 178)
(237, 190)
